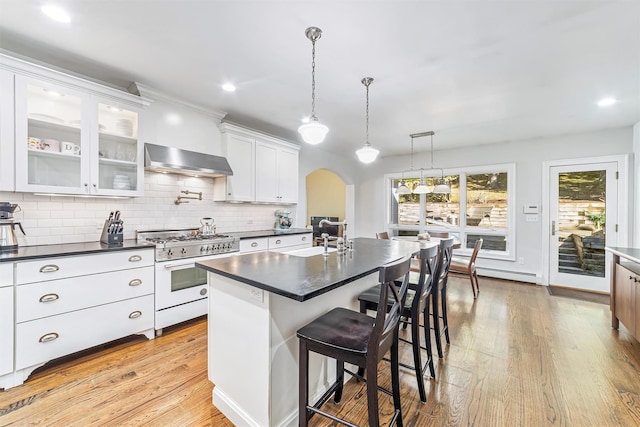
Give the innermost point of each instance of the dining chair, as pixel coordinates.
(351, 337)
(416, 303)
(382, 235)
(439, 294)
(462, 266)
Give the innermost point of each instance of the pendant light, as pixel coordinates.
(314, 131)
(367, 154)
(422, 187)
(442, 186)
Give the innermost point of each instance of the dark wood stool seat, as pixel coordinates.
(351, 337)
(416, 303)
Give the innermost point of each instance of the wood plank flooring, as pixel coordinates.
(518, 357)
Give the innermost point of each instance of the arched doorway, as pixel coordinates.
(326, 195)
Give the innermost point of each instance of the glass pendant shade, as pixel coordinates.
(421, 189)
(367, 154)
(403, 189)
(442, 187)
(313, 132)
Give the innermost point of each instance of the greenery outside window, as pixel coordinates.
(481, 205)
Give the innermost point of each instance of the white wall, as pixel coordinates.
(635, 227)
(528, 157)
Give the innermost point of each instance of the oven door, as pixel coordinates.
(180, 281)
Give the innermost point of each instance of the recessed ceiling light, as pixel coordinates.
(605, 102)
(55, 13)
(228, 87)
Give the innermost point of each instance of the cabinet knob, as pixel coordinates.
(135, 314)
(254, 244)
(95, 186)
(278, 241)
(135, 258)
(86, 185)
(49, 268)
(304, 238)
(135, 282)
(49, 297)
(49, 337)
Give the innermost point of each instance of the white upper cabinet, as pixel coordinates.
(265, 169)
(7, 182)
(74, 136)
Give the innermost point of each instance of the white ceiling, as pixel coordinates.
(474, 72)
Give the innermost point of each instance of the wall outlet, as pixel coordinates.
(99, 225)
(256, 294)
(521, 260)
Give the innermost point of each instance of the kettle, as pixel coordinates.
(208, 227)
(8, 240)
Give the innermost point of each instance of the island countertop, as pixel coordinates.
(302, 278)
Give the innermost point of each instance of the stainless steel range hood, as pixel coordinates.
(158, 158)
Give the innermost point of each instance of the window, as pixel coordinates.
(481, 205)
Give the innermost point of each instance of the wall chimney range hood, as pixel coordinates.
(158, 158)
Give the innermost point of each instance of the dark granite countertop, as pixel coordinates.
(67, 249)
(302, 278)
(267, 233)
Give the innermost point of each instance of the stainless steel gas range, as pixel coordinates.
(181, 288)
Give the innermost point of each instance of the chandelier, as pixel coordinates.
(441, 187)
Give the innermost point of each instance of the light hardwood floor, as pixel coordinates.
(518, 357)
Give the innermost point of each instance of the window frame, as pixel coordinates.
(462, 229)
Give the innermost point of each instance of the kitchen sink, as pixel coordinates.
(307, 252)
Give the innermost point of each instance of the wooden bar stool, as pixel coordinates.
(352, 337)
(416, 303)
(439, 293)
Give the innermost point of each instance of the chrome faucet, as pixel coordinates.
(342, 242)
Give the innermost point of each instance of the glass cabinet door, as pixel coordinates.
(118, 149)
(51, 151)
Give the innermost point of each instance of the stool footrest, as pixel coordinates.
(363, 379)
(328, 415)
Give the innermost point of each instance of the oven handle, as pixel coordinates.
(186, 264)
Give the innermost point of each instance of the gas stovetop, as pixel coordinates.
(188, 243)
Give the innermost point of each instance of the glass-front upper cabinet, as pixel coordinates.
(72, 141)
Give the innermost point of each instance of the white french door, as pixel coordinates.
(583, 219)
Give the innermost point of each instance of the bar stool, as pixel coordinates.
(416, 303)
(439, 293)
(352, 337)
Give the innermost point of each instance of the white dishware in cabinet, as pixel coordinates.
(39, 341)
(86, 148)
(43, 299)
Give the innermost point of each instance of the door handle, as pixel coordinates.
(553, 228)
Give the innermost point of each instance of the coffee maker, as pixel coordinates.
(8, 240)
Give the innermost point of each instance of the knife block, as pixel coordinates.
(110, 238)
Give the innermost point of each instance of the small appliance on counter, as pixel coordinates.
(112, 232)
(8, 239)
(283, 222)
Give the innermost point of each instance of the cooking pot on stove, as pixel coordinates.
(208, 227)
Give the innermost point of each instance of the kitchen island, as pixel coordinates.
(258, 301)
(625, 297)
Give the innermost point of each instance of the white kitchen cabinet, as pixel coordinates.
(71, 303)
(265, 169)
(256, 244)
(74, 136)
(6, 320)
(7, 182)
(290, 242)
(277, 169)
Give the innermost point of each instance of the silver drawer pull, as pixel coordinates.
(278, 241)
(304, 238)
(135, 258)
(49, 337)
(135, 314)
(254, 244)
(49, 268)
(135, 282)
(49, 297)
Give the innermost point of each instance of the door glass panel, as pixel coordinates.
(187, 278)
(54, 143)
(581, 222)
(118, 148)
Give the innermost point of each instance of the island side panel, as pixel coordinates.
(238, 350)
(287, 316)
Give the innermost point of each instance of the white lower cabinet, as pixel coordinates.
(6, 330)
(290, 242)
(71, 303)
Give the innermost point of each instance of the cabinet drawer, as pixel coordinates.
(254, 245)
(41, 340)
(276, 242)
(6, 274)
(61, 267)
(41, 299)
